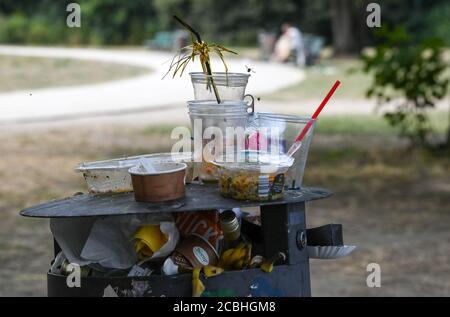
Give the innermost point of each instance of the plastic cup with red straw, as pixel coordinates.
(298, 142)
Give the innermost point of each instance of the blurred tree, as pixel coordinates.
(227, 21)
(412, 75)
(342, 22)
(437, 22)
(117, 22)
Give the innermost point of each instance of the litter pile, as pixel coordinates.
(207, 243)
(202, 243)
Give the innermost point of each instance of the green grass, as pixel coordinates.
(251, 52)
(321, 77)
(340, 124)
(19, 73)
(372, 124)
(160, 130)
(357, 124)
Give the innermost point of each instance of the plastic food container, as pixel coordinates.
(257, 178)
(111, 176)
(165, 184)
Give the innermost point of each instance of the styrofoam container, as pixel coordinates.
(330, 252)
(111, 176)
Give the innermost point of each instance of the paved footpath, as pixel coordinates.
(139, 94)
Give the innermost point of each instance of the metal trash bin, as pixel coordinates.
(283, 229)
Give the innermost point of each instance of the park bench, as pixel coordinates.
(167, 40)
(313, 47)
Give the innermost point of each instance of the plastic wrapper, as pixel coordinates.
(109, 241)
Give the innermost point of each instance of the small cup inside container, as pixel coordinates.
(167, 183)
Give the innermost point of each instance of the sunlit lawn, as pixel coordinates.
(321, 77)
(18, 73)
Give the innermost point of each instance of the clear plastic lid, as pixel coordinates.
(213, 104)
(128, 162)
(221, 78)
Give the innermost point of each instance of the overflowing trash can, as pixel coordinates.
(282, 229)
(224, 223)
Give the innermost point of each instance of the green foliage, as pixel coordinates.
(17, 28)
(113, 22)
(438, 22)
(413, 76)
(227, 21)
(103, 22)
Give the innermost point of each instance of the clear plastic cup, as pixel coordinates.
(229, 114)
(231, 86)
(226, 107)
(286, 128)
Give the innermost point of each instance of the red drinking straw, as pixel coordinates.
(318, 111)
(305, 130)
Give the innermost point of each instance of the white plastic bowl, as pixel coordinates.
(111, 176)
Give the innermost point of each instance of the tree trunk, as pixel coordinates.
(344, 40)
(448, 128)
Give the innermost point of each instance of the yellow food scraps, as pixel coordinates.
(211, 271)
(237, 258)
(245, 185)
(197, 285)
(267, 266)
(148, 240)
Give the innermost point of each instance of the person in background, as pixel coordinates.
(290, 44)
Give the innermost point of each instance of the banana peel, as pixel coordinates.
(267, 265)
(225, 258)
(197, 285)
(211, 271)
(248, 255)
(237, 258)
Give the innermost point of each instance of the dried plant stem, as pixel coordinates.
(207, 63)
